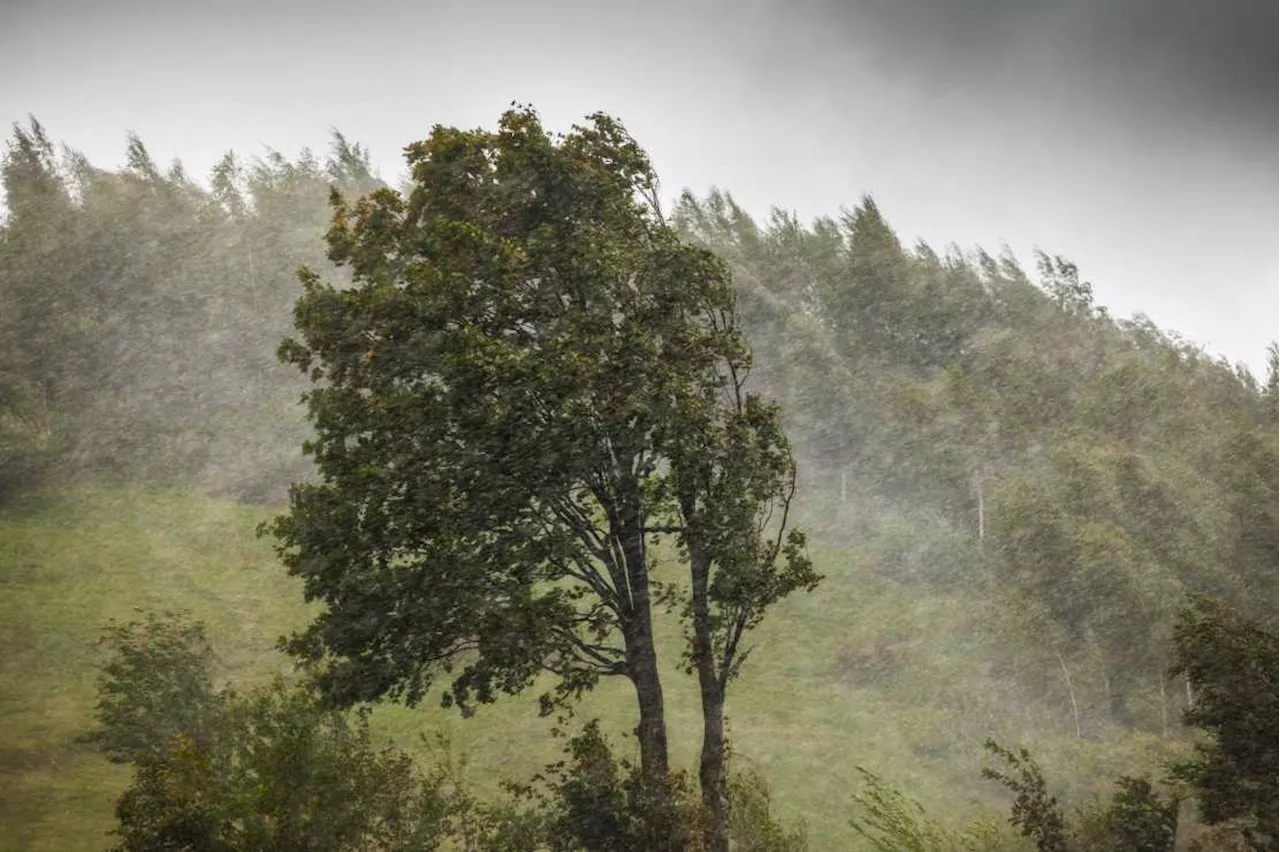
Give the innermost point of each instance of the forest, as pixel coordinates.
(511, 507)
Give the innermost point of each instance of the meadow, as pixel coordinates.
(865, 671)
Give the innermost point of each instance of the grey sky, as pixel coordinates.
(1137, 137)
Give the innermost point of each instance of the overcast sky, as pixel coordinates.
(1136, 137)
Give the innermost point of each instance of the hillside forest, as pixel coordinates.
(539, 512)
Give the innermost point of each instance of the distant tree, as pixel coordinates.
(46, 327)
(1273, 383)
(869, 306)
(156, 684)
(531, 380)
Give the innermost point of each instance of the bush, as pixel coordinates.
(593, 801)
(891, 822)
(282, 773)
(271, 770)
(1137, 820)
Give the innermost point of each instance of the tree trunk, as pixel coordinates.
(1164, 706)
(642, 668)
(711, 765)
(1071, 692)
(642, 655)
(711, 769)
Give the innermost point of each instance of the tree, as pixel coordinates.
(1272, 395)
(156, 685)
(870, 306)
(1036, 813)
(45, 328)
(529, 381)
(1230, 664)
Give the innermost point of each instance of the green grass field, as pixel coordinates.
(913, 705)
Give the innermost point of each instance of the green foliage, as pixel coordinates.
(532, 380)
(1099, 468)
(271, 770)
(1139, 820)
(1231, 663)
(28, 437)
(540, 332)
(156, 685)
(752, 825)
(891, 822)
(1035, 813)
(1069, 475)
(280, 772)
(593, 801)
(143, 311)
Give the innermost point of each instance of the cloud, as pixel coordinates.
(1203, 61)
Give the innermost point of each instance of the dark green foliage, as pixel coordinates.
(1231, 664)
(595, 802)
(488, 403)
(271, 770)
(1035, 813)
(279, 772)
(531, 380)
(1139, 820)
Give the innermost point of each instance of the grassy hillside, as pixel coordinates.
(865, 671)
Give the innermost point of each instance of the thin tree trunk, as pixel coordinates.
(711, 764)
(1075, 708)
(1164, 708)
(642, 668)
(982, 513)
(642, 655)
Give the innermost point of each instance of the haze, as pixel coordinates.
(1137, 138)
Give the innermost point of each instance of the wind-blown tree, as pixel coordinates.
(1230, 663)
(142, 313)
(531, 379)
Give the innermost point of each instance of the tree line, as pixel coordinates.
(524, 380)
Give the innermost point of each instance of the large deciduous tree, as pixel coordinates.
(530, 379)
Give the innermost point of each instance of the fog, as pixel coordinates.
(1136, 138)
(1007, 268)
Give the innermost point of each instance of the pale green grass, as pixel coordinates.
(71, 561)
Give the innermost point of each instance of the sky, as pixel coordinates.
(1137, 138)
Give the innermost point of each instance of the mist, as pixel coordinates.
(1136, 138)
(1007, 269)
